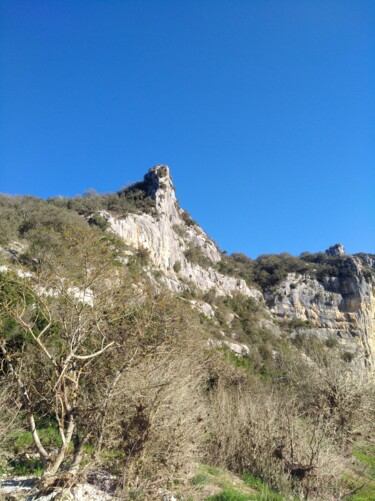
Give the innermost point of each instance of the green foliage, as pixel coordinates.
(229, 494)
(331, 342)
(138, 198)
(366, 455)
(26, 466)
(132, 199)
(143, 256)
(177, 266)
(232, 487)
(98, 220)
(237, 265)
(21, 215)
(247, 312)
(363, 484)
(200, 479)
(23, 440)
(313, 347)
(270, 269)
(329, 266)
(248, 315)
(298, 323)
(266, 271)
(347, 356)
(243, 362)
(195, 255)
(188, 220)
(265, 493)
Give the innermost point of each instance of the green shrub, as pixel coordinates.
(26, 466)
(298, 323)
(188, 220)
(348, 356)
(143, 256)
(99, 221)
(177, 266)
(331, 342)
(195, 255)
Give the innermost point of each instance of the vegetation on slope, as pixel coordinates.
(23, 214)
(268, 270)
(108, 373)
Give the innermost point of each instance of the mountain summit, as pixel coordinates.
(158, 185)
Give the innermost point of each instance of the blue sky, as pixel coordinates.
(264, 111)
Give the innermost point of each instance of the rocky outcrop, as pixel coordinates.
(169, 235)
(335, 307)
(336, 250)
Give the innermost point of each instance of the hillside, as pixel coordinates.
(133, 347)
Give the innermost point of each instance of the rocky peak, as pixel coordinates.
(158, 178)
(159, 185)
(336, 250)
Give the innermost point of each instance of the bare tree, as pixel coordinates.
(57, 322)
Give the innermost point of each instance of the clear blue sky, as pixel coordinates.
(264, 111)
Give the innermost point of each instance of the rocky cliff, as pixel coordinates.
(337, 308)
(173, 241)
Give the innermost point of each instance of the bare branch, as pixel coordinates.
(93, 355)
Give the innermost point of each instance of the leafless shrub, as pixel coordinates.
(158, 418)
(344, 398)
(266, 432)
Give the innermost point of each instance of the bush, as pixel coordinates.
(348, 356)
(99, 221)
(195, 255)
(331, 343)
(188, 220)
(298, 323)
(159, 419)
(24, 215)
(267, 435)
(177, 266)
(143, 256)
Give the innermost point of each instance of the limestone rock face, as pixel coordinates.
(341, 308)
(167, 236)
